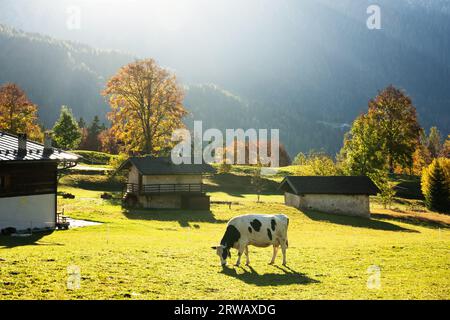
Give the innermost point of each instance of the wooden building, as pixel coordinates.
(28, 182)
(343, 195)
(158, 183)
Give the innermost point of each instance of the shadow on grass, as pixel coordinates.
(238, 185)
(97, 182)
(358, 222)
(183, 217)
(414, 220)
(32, 240)
(288, 277)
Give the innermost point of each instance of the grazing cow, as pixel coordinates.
(259, 230)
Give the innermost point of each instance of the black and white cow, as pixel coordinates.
(259, 230)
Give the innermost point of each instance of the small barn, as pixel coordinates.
(28, 182)
(342, 195)
(155, 182)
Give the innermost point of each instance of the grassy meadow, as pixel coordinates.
(166, 254)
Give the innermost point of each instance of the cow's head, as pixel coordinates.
(223, 252)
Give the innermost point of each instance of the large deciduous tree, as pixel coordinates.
(396, 120)
(362, 153)
(147, 105)
(386, 136)
(17, 113)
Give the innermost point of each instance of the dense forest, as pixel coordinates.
(309, 74)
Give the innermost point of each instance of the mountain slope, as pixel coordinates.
(54, 72)
(306, 67)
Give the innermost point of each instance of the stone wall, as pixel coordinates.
(352, 205)
(165, 201)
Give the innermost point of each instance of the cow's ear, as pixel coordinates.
(214, 247)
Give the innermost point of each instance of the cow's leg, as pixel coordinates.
(247, 262)
(283, 250)
(275, 250)
(240, 252)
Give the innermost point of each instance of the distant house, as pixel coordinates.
(343, 195)
(158, 183)
(28, 182)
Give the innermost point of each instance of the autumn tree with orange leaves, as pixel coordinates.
(383, 138)
(396, 119)
(147, 105)
(17, 113)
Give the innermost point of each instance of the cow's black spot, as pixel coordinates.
(226, 253)
(256, 224)
(250, 229)
(273, 223)
(269, 234)
(231, 236)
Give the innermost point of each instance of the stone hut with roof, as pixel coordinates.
(343, 195)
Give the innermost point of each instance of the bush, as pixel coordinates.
(94, 157)
(116, 161)
(315, 164)
(386, 186)
(436, 185)
(224, 168)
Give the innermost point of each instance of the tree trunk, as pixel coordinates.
(148, 146)
(391, 164)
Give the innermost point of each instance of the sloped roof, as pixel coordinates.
(329, 185)
(163, 165)
(35, 151)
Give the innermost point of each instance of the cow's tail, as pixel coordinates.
(287, 225)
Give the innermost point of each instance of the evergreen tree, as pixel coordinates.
(434, 143)
(445, 152)
(436, 185)
(66, 132)
(93, 131)
(81, 123)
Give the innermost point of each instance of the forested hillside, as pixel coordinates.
(306, 67)
(55, 73)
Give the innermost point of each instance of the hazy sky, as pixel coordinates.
(244, 35)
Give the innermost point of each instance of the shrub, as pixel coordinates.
(116, 161)
(316, 164)
(387, 193)
(224, 168)
(436, 185)
(94, 157)
(386, 186)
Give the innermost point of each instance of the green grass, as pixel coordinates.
(166, 254)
